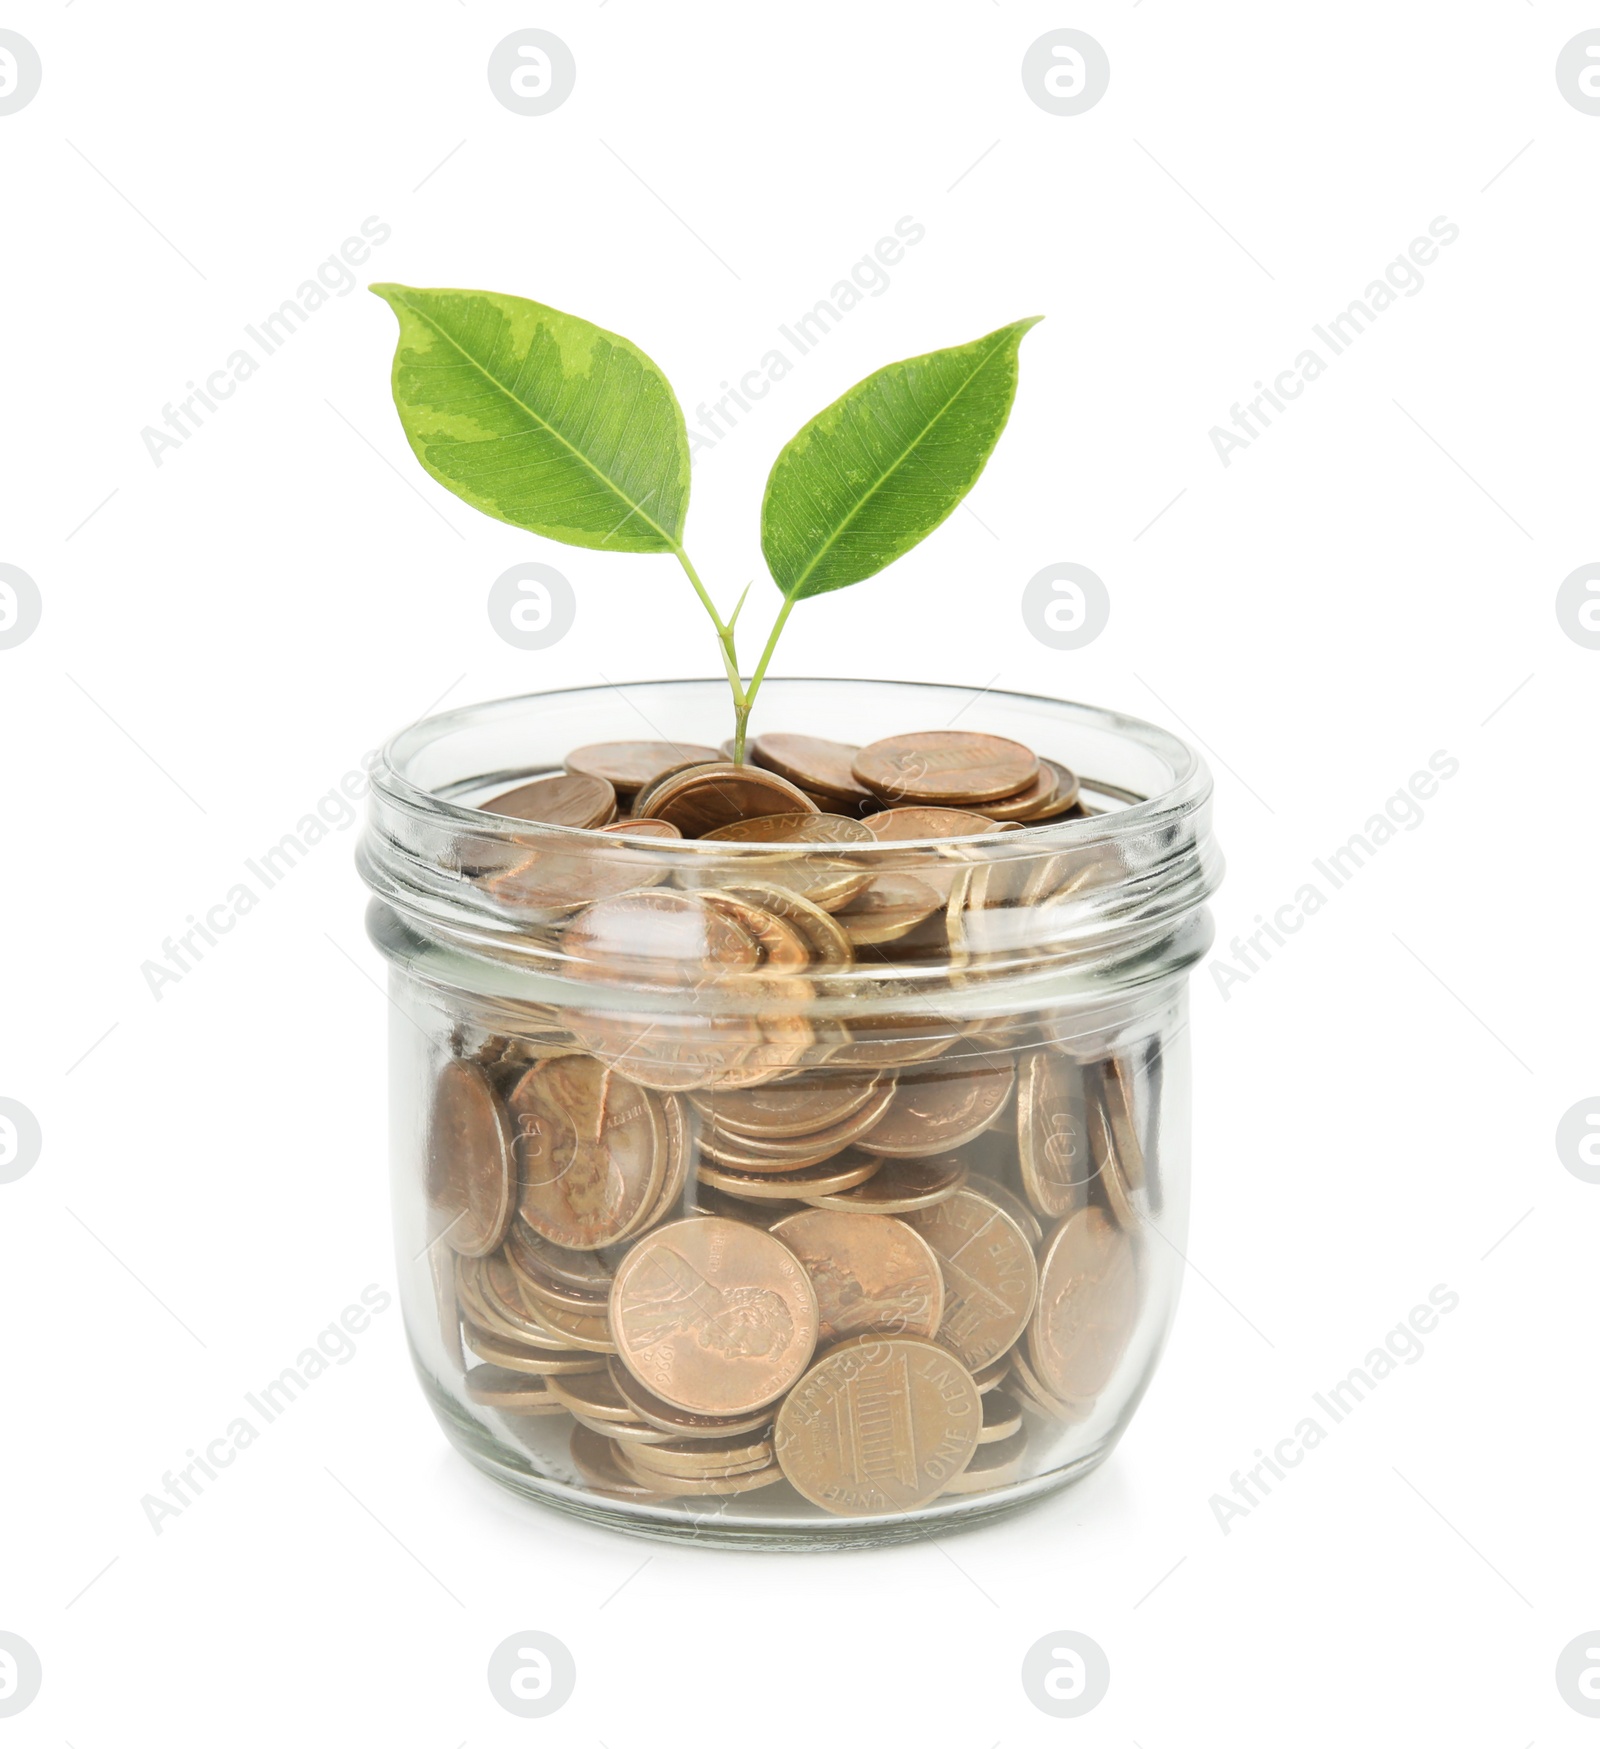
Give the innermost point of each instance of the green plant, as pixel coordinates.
(547, 422)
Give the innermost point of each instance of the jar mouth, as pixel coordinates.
(436, 859)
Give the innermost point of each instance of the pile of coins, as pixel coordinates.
(875, 1258)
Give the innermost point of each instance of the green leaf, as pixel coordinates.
(541, 419)
(882, 467)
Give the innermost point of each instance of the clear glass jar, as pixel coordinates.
(788, 1248)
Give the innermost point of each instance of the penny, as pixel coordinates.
(898, 1187)
(783, 948)
(542, 1363)
(705, 797)
(727, 1455)
(487, 1311)
(495, 1388)
(659, 937)
(1002, 1416)
(992, 1466)
(919, 825)
(1088, 1305)
(500, 1291)
(676, 1175)
(945, 765)
(745, 1482)
(713, 1316)
(565, 799)
(826, 880)
(818, 766)
(879, 1425)
(667, 1417)
(890, 1041)
(551, 884)
(1065, 798)
(1119, 1138)
(594, 1395)
(642, 829)
(1003, 1196)
(628, 1432)
(889, 907)
(629, 765)
(533, 1254)
(869, 1272)
(826, 1179)
(942, 1109)
(1053, 1151)
(1028, 804)
(598, 1461)
(470, 1175)
(592, 1334)
(830, 946)
(591, 1148)
(759, 1154)
(784, 1109)
(990, 1277)
(986, 1378)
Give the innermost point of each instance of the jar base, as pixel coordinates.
(777, 1519)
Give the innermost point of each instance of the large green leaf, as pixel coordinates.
(541, 419)
(882, 467)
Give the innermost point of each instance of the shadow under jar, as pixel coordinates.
(799, 1194)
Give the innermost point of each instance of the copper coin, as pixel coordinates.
(659, 937)
(1034, 1398)
(1088, 1306)
(727, 1455)
(992, 1465)
(1029, 803)
(888, 908)
(945, 765)
(745, 1482)
(899, 1186)
(942, 1109)
(642, 829)
(591, 1334)
(549, 884)
(783, 1109)
(594, 1395)
(562, 800)
(667, 1417)
(495, 1388)
(990, 1277)
(828, 881)
(869, 1272)
(539, 1362)
(629, 765)
(890, 1041)
(591, 1148)
(679, 1154)
(783, 948)
(470, 1174)
(1003, 1196)
(822, 768)
(829, 945)
(1065, 798)
(486, 1311)
(1053, 1134)
(1002, 1416)
(759, 1154)
(879, 1425)
(831, 1176)
(1124, 1154)
(598, 1461)
(532, 1253)
(705, 797)
(918, 825)
(987, 1378)
(714, 1316)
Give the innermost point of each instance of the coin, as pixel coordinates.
(840, 1173)
(783, 1109)
(495, 1388)
(889, 907)
(594, 1395)
(539, 1362)
(990, 1277)
(918, 825)
(660, 937)
(898, 1187)
(783, 948)
(820, 767)
(531, 1253)
(745, 1482)
(879, 1425)
(1065, 798)
(1002, 1416)
(869, 1272)
(714, 1316)
(488, 1312)
(656, 1412)
(565, 799)
(889, 1041)
(941, 1109)
(727, 1455)
(758, 1154)
(1114, 1137)
(827, 881)
(591, 1148)
(1028, 804)
(598, 1461)
(642, 829)
(469, 1162)
(986, 1378)
(1053, 1134)
(829, 945)
(1088, 1305)
(992, 1466)
(945, 765)
(704, 797)
(1003, 1196)
(629, 765)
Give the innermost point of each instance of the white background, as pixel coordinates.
(1372, 581)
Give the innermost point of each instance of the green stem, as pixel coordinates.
(730, 655)
(766, 655)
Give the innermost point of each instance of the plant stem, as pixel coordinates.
(730, 655)
(766, 655)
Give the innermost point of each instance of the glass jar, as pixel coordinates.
(871, 1226)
